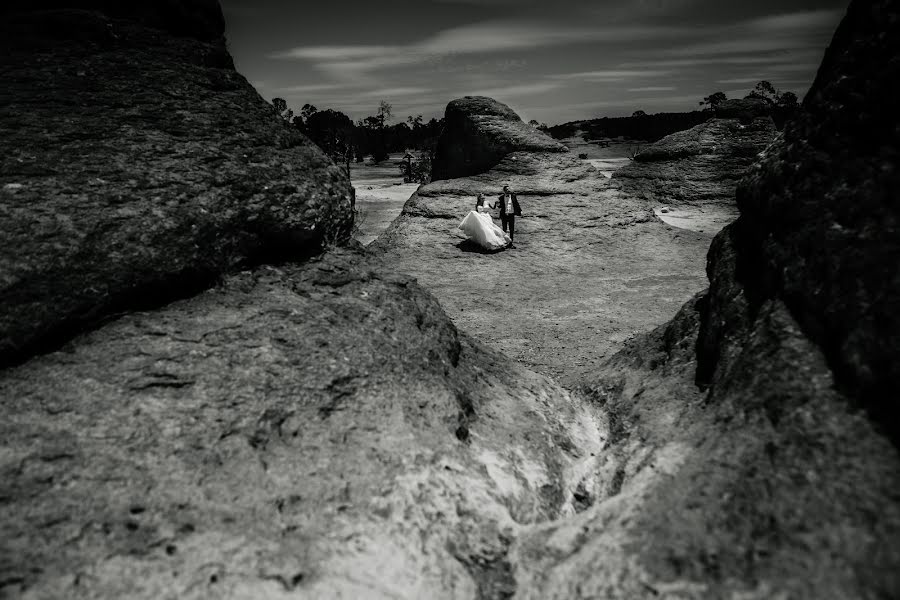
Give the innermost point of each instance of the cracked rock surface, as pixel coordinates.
(699, 167)
(136, 166)
(319, 430)
(299, 424)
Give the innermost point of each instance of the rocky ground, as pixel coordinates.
(591, 266)
(113, 199)
(319, 430)
(310, 421)
(380, 196)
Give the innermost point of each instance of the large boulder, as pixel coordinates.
(820, 221)
(699, 167)
(312, 427)
(478, 133)
(315, 431)
(137, 166)
(755, 436)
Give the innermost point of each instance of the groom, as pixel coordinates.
(509, 210)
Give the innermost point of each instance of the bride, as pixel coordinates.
(480, 228)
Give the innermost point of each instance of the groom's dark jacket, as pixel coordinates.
(504, 210)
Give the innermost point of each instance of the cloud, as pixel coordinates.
(775, 33)
(740, 80)
(611, 75)
(652, 89)
(307, 89)
(397, 91)
(336, 53)
(516, 90)
(487, 37)
(798, 21)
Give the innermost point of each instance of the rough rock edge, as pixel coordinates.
(766, 479)
(81, 32)
(478, 133)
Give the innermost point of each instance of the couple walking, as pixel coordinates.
(480, 227)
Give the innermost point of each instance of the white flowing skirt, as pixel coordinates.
(481, 229)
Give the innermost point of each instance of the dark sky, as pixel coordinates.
(551, 60)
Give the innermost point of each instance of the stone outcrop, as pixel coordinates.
(137, 166)
(478, 133)
(819, 214)
(319, 430)
(700, 166)
(754, 437)
(292, 425)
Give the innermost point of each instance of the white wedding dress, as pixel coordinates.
(481, 229)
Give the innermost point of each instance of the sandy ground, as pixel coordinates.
(708, 219)
(606, 159)
(591, 268)
(380, 196)
(608, 166)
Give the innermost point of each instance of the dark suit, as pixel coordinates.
(508, 214)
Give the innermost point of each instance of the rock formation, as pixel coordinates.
(319, 430)
(742, 462)
(138, 166)
(478, 133)
(315, 425)
(292, 426)
(702, 165)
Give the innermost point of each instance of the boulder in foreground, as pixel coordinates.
(124, 187)
(754, 438)
(319, 431)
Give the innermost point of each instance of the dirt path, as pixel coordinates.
(380, 196)
(592, 267)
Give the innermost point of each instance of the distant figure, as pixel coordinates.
(481, 229)
(509, 210)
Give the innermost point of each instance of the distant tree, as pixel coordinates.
(385, 112)
(372, 134)
(282, 109)
(638, 113)
(713, 100)
(307, 111)
(788, 100)
(784, 105)
(419, 169)
(765, 91)
(786, 108)
(333, 132)
(633, 150)
(534, 123)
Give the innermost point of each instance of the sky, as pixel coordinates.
(550, 60)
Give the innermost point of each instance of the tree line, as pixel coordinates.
(783, 106)
(346, 141)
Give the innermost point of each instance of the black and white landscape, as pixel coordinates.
(246, 351)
